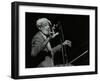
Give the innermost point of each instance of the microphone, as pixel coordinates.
(57, 25)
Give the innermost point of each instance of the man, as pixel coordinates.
(41, 48)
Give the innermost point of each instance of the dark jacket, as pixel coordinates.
(43, 57)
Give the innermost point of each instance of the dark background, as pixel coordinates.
(75, 28)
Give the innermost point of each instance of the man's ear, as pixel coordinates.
(39, 28)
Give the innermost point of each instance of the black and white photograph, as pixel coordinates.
(53, 40)
(56, 40)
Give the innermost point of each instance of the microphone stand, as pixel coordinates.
(64, 54)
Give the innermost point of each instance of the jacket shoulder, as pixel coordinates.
(37, 36)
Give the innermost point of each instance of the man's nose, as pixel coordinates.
(48, 27)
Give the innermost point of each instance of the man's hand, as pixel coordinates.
(67, 42)
(55, 34)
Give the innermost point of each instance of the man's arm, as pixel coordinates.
(58, 47)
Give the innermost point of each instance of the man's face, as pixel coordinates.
(45, 29)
